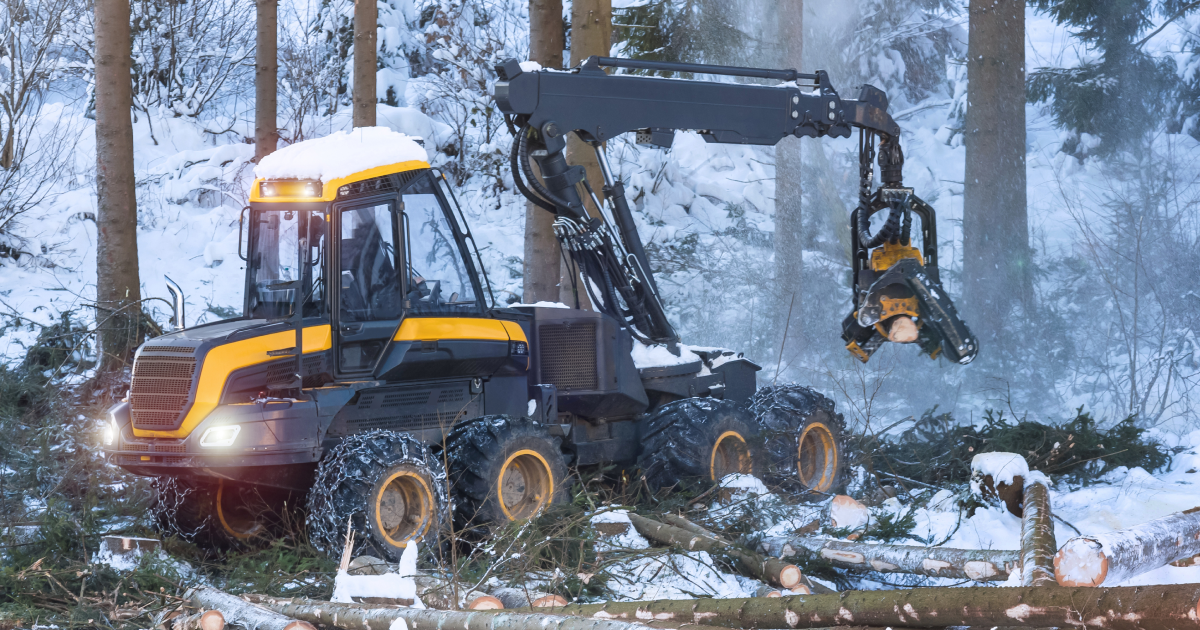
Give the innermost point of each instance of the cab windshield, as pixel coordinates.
(275, 262)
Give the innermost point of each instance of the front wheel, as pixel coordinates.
(803, 439)
(385, 485)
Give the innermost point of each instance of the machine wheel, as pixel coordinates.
(388, 485)
(221, 513)
(803, 439)
(699, 438)
(504, 469)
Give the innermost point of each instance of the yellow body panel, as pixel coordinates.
(221, 361)
(429, 328)
(329, 189)
(891, 253)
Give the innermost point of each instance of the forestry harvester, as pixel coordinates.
(373, 373)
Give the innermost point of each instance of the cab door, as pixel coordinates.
(368, 283)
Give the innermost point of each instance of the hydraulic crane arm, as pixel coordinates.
(542, 106)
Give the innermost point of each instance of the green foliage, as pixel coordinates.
(285, 568)
(937, 451)
(1122, 96)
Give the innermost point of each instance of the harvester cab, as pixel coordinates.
(373, 380)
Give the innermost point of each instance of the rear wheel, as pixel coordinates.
(698, 438)
(803, 439)
(221, 513)
(385, 485)
(504, 469)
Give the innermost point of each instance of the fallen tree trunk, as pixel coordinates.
(1037, 535)
(206, 620)
(1171, 607)
(351, 617)
(974, 564)
(772, 570)
(1114, 557)
(439, 593)
(237, 611)
(521, 598)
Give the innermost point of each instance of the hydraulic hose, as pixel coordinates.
(514, 161)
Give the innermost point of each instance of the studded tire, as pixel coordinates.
(805, 453)
(696, 440)
(390, 488)
(215, 513)
(504, 469)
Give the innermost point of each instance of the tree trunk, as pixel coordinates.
(541, 267)
(789, 224)
(266, 79)
(1175, 606)
(972, 564)
(1037, 537)
(996, 254)
(366, 618)
(772, 570)
(237, 611)
(118, 286)
(366, 20)
(1114, 557)
(439, 593)
(207, 620)
(521, 598)
(591, 34)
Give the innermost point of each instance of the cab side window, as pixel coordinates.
(370, 278)
(439, 281)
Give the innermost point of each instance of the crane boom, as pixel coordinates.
(893, 280)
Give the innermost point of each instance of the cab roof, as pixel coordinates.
(340, 158)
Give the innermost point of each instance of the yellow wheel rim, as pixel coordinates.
(238, 522)
(403, 508)
(730, 455)
(817, 457)
(525, 484)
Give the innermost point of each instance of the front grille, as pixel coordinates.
(133, 446)
(161, 390)
(567, 353)
(179, 349)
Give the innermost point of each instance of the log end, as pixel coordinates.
(212, 620)
(299, 625)
(486, 602)
(790, 576)
(1080, 562)
(801, 589)
(549, 601)
(846, 513)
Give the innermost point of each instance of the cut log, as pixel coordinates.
(439, 593)
(351, 617)
(767, 591)
(999, 478)
(771, 570)
(675, 520)
(206, 620)
(1037, 534)
(846, 513)
(973, 564)
(521, 598)
(1171, 607)
(1114, 557)
(237, 611)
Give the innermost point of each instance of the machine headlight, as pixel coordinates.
(110, 431)
(220, 436)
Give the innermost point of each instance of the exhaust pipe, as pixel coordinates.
(177, 300)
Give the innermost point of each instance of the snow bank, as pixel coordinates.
(341, 154)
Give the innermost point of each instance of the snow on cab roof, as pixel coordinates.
(340, 154)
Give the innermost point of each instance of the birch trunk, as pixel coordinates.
(973, 564)
(207, 620)
(1114, 557)
(366, 618)
(237, 611)
(1174, 607)
(1037, 537)
(772, 570)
